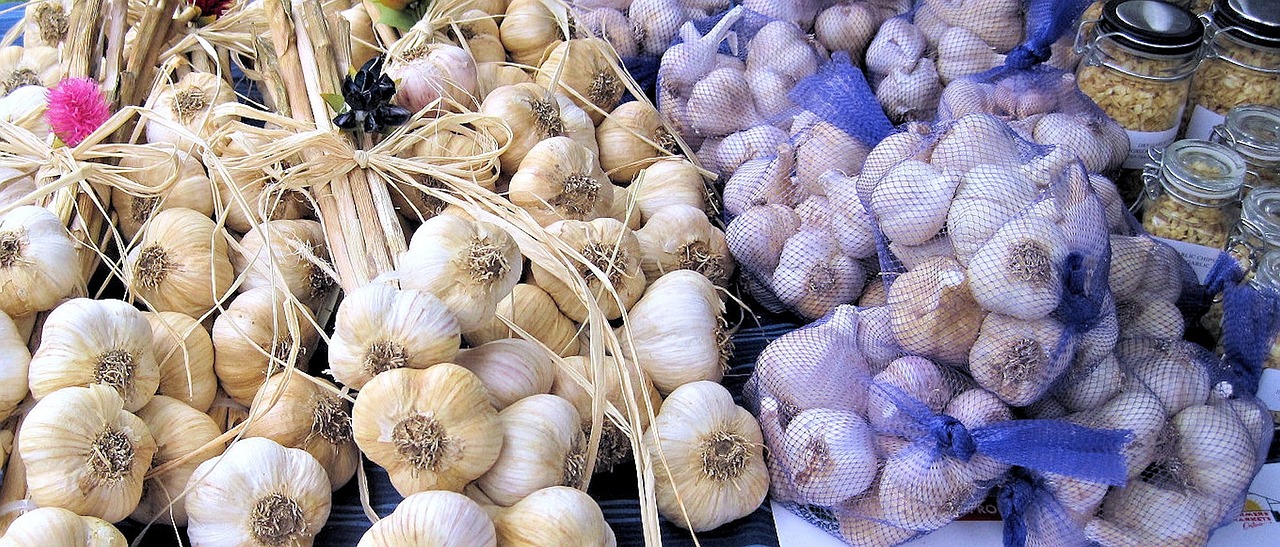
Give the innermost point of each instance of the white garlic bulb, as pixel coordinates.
(749, 144)
(711, 469)
(915, 377)
(911, 201)
(510, 369)
(189, 103)
(1173, 370)
(299, 411)
(180, 432)
(542, 446)
(184, 354)
(1135, 409)
(932, 312)
(1017, 272)
(615, 443)
(557, 515)
(675, 333)
(535, 114)
(82, 436)
(438, 518)
(105, 342)
(468, 265)
(286, 254)
(630, 138)
(756, 238)
(814, 275)
(533, 311)
(611, 248)
(432, 429)
(1019, 359)
(583, 68)
(440, 76)
(180, 264)
(58, 527)
(181, 175)
(988, 197)
(15, 361)
(668, 182)
(787, 366)
(560, 179)
(47, 23)
(38, 261)
(257, 493)
(260, 334)
(379, 327)
(529, 31)
(831, 455)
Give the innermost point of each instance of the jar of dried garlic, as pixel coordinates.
(1193, 192)
(1267, 277)
(1137, 65)
(1253, 131)
(1258, 231)
(1241, 63)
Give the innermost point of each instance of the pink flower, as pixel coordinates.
(77, 108)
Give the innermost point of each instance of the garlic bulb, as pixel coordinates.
(675, 332)
(180, 264)
(182, 176)
(1100, 142)
(749, 144)
(299, 411)
(184, 354)
(258, 335)
(105, 342)
(1019, 359)
(439, 76)
(1017, 272)
(897, 43)
(831, 455)
(615, 444)
(815, 148)
(961, 53)
(37, 261)
(251, 197)
(680, 237)
(15, 361)
(557, 515)
(534, 115)
(257, 493)
(478, 33)
(1135, 409)
(560, 179)
(711, 469)
(529, 31)
(33, 65)
(756, 238)
(535, 312)
(850, 27)
(468, 265)
(786, 368)
(1219, 453)
(911, 92)
(911, 201)
(438, 518)
(180, 432)
(655, 23)
(721, 103)
(954, 150)
(667, 182)
(55, 526)
(510, 369)
(25, 107)
(1142, 513)
(492, 76)
(431, 429)
(607, 246)
(1090, 385)
(582, 66)
(609, 24)
(1176, 372)
(83, 437)
(285, 254)
(932, 313)
(814, 275)
(189, 103)
(988, 197)
(916, 378)
(630, 138)
(15, 186)
(542, 446)
(379, 328)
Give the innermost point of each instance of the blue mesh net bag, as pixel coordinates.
(1250, 322)
(796, 224)
(879, 453)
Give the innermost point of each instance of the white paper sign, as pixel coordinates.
(1200, 258)
(1141, 143)
(1269, 389)
(1202, 123)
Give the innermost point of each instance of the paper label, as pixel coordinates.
(1200, 258)
(1141, 142)
(1202, 123)
(1269, 389)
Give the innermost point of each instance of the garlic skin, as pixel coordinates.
(1017, 272)
(814, 275)
(432, 429)
(1142, 513)
(961, 53)
(675, 332)
(557, 515)
(1173, 370)
(756, 238)
(180, 264)
(831, 455)
(55, 526)
(492, 76)
(82, 436)
(711, 470)
(615, 443)
(15, 362)
(915, 377)
(182, 176)
(257, 493)
(468, 265)
(607, 246)
(105, 342)
(679, 237)
(15, 186)
(988, 197)
(510, 369)
(291, 253)
(815, 147)
(668, 182)
(932, 312)
(529, 31)
(749, 144)
(543, 446)
(438, 518)
(560, 180)
(35, 254)
(299, 411)
(479, 35)
(179, 432)
(582, 67)
(534, 115)
(910, 203)
(627, 139)
(535, 312)
(257, 336)
(189, 103)
(379, 328)
(439, 76)
(656, 22)
(1100, 142)
(1020, 359)
(1219, 451)
(184, 355)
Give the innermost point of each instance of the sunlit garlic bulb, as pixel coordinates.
(607, 246)
(55, 526)
(299, 411)
(615, 443)
(627, 140)
(15, 361)
(285, 253)
(438, 518)
(561, 180)
(38, 261)
(583, 66)
(251, 197)
(468, 265)
(380, 328)
(189, 104)
(679, 237)
(534, 114)
(179, 180)
(48, 23)
(558, 515)
(258, 335)
(542, 446)
(534, 311)
(181, 263)
(184, 353)
(106, 342)
(510, 369)
(675, 332)
(33, 64)
(180, 432)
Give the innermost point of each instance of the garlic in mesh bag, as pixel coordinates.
(914, 447)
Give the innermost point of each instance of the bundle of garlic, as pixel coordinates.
(896, 450)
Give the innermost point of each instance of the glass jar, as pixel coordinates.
(1258, 231)
(1253, 131)
(1193, 193)
(1267, 277)
(1241, 63)
(1137, 65)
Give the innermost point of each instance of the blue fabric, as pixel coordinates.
(1047, 21)
(1057, 446)
(1013, 498)
(839, 93)
(1250, 320)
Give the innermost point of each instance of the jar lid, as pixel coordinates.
(1267, 274)
(1261, 18)
(1254, 131)
(1152, 26)
(1202, 171)
(1261, 215)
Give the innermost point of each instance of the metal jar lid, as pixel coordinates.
(1151, 26)
(1267, 274)
(1260, 215)
(1258, 21)
(1253, 131)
